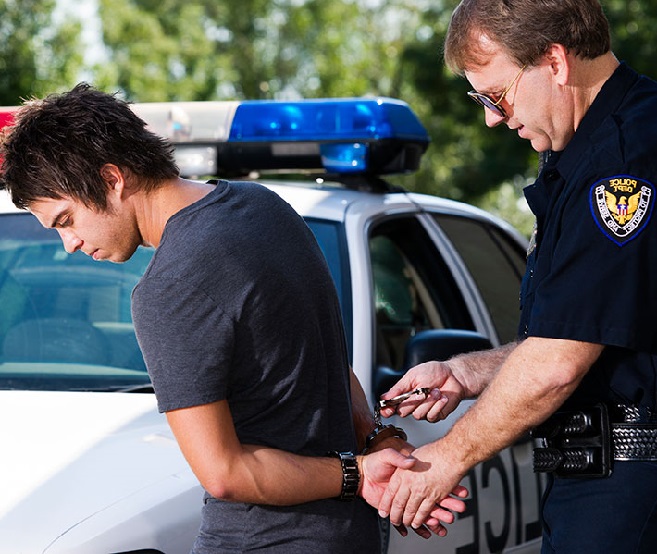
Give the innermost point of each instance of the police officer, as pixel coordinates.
(582, 374)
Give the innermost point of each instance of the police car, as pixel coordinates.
(87, 463)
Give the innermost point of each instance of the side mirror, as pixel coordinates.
(427, 346)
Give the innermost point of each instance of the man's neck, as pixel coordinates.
(156, 207)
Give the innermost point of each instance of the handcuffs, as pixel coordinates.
(348, 460)
(382, 431)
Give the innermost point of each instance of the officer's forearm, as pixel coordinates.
(536, 378)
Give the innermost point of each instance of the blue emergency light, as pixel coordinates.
(346, 136)
(340, 136)
(349, 135)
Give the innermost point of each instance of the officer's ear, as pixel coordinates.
(560, 63)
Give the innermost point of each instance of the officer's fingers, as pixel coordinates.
(431, 406)
(385, 503)
(419, 404)
(400, 387)
(419, 512)
(398, 505)
(427, 375)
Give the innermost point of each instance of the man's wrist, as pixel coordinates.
(381, 433)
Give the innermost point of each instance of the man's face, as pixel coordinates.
(529, 103)
(110, 235)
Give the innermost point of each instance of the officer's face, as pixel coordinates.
(528, 107)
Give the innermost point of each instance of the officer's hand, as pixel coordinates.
(426, 493)
(445, 395)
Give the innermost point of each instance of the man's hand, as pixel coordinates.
(424, 492)
(446, 394)
(378, 468)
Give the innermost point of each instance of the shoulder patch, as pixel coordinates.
(622, 206)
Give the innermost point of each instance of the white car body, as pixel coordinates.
(90, 473)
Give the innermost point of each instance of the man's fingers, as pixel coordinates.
(399, 460)
(442, 515)
(401, 529)
(436, 527)
(423, 532)
(453, 504)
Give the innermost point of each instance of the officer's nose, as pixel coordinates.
(493, 119)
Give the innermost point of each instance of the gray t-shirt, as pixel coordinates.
(238, 304)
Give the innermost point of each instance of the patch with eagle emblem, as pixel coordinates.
(622, 206)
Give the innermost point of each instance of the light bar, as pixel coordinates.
(370, 136)
(346, 119)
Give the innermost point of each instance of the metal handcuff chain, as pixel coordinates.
(382, 431)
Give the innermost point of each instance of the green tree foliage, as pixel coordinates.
(214, 49)
(37, 54)
(633, 25)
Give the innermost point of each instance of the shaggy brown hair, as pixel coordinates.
(57, 147)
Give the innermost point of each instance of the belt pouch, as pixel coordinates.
(574, 443)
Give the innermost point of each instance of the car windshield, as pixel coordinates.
(65, 321)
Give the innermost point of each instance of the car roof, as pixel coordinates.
(332, 201)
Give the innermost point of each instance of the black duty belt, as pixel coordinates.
(584, 443)
(634, 441)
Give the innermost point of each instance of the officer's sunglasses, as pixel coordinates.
(494, 105)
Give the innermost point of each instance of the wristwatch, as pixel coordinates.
(350, 474)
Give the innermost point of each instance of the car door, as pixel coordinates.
(432, 269)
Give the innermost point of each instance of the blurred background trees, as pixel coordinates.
(161, 50)
(39, 53)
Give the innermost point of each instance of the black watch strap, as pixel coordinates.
(350, 474)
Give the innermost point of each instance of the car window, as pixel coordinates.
(496, 263)
(414, 289)
(65, 322)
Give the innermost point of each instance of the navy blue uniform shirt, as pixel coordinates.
(592, 264)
